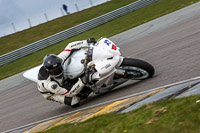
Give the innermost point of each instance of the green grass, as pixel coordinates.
(31, 35)
(168, 116)
(109, 29)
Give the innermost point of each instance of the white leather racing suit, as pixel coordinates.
(51, 88)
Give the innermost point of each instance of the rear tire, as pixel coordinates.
(141, 66)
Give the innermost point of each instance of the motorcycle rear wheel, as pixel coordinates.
(137, 69)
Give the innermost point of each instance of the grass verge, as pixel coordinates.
(109, 29)
(168, 116)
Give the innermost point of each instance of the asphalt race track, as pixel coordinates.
(171, 44)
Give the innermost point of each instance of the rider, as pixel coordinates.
(51, 81)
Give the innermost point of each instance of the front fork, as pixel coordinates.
(119, 73)
(123, 72)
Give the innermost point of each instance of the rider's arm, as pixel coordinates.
(69, 98)
(53, 88)
(50, 87)
(73, 45)
(48, 95)
(77, 87)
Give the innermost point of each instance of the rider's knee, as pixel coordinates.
(71, 100)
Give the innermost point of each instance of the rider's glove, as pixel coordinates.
(85, 79)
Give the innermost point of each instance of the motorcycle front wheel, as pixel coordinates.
(136, 69)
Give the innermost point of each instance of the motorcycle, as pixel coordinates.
(105, 67)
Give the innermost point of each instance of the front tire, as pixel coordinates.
(140, 69)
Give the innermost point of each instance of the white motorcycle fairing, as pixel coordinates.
(105, 58)
(73, 67)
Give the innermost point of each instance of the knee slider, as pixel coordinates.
(68, 101)
(71, 100)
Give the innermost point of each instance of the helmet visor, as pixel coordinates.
(56, 71)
